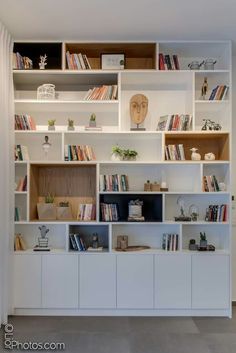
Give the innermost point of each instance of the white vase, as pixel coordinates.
(115, 157)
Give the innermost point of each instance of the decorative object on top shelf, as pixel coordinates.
(182, 217)
(92, 120)
(46, 145)
(51, 124)
(64, 211)
(46, 91)
(135, 211)
(195, 65)
(151, 186)
(209, 156)
(209, 64)
(195, 156)
(210, 125)
(138, 110)
(19, 243)
(42, 240)
(204, 89)
(113, 61)
(70, 126)
(194, 212)
(43, 61)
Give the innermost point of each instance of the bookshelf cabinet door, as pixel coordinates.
(60, 281)
(27, 279)
(97, 281)
(210, 282)
(173, 281)
(135, 281)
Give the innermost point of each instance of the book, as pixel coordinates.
(174, 122)
(79, 153)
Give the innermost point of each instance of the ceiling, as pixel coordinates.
(93, 20)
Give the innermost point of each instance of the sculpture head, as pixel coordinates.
(138, 108)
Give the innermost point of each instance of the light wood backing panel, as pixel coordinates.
(205, 143)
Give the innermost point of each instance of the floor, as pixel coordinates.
(130, 334)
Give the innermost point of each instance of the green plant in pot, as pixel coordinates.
(129, 155)
(70, 126)
(203, 241)
(47, 209)
(117, 153)
(51, 124)
(92, 120)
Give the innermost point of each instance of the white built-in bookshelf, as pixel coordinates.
(147, 282)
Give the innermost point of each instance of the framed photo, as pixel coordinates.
(113, 61)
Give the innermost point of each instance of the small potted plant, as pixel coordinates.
(129, 155)
(47, 210)
(92, 120)
(51, 124)
(117, 153)
(70, 126)
(203, 241)
(64, 211)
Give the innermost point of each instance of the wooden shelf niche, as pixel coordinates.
(73, 183)
(217, 143)
(138, 56)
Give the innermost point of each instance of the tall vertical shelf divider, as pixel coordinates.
(148, 282)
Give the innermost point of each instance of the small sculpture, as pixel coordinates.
(28, 63)
(95, 241)
(42, 240)
(194, 212)
(209, 156)
(51, 124)
(138, 110)
(46, 145)
(92, 121)
(135, 210)
(204, 88)
(42, 62)
(210, 125)
(195, 156)
(182, 217)
(70, 126)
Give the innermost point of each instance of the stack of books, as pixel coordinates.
(168, 62)
(21, 153)
(170, 242)
(219, 93)
(19, 243)
(174, 122)
(109, 212)
(216, 213)
(79, 153)
(87, 212)
(24, 122)
(102, 93)
(114, 182)
(21, 62)
(210, 183)
(175, 152)
(22, 184)
(77, 243)
(77, 61)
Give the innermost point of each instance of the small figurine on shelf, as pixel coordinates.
(210, 125)
(147, 186)
(135, 211)
(42, 62)
(204, 89)
(46, 146)
(209, 156)
(70, 126)
(92, 120)
(28, 63)
(42, 240)
(182, 217)
(195, 156)
(95, 241)
(194, 212)
(51, 124)
(192, 245)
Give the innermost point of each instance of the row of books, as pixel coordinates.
(20, 62)
(21, 153)
(87, 212)
(210, 183)
(77, 61)
(24, 122)
(170, 242)
(109, 212)
(174, 152)
(114, 182)
(19, 243)
(219, 93)
(174, 122)
(17, 214)
(22, 184)
(79, 153)
(216, 213)
(104, 92)
(168, 62)
(77, 243)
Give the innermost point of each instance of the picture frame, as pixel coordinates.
(112, 61)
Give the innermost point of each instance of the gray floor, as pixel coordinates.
(130, 334)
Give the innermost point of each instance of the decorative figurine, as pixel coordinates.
(43, 62)
(51, 124)
(203, 242)
(192, 245)
(195, 156)
(92, 121)
(182, 217)
(210, 125)
(209, 156)
(138, 110)
(95, 241)
(204, 89)
(222, 186)
(135, 210)
(46, 146)
(28, 63)
(70, 126)
(42, 240)
(194, 212)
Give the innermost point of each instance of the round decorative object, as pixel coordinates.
(194, 212)
(46, 91)
(209, 156)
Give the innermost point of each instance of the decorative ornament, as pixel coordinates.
(209, 156)
(138, 110)
(46, 146)
(195, 156)
(43, 62)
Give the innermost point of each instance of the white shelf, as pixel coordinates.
(212, 101)
(21, 192)
(50, 102)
